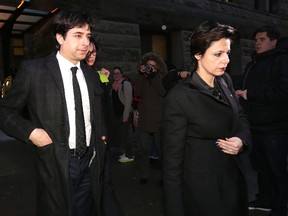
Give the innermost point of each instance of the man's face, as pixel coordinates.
(75, 45)
(263, 42)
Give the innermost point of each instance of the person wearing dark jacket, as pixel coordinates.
(63, 97)
(114, 208)
(204, 132)
(264, 97)
(173, 77)
(150, 89)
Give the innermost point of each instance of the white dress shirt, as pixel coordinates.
(65, 68)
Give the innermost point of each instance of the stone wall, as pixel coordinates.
(118, 27)
(119, 44)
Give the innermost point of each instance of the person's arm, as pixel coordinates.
(156, 83)
(12, 123)
(170, 79)
(174, 126)
(127, 92)
(243, 129)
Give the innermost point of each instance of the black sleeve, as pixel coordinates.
(170, 79)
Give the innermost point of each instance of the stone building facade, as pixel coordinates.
(126, 29)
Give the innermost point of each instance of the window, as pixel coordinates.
(159, 45)
(156, 43)
(18, 46)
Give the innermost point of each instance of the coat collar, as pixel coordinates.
(53, 66)
(228, 92)
(195, 82)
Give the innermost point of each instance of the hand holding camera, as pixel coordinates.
(148, 70)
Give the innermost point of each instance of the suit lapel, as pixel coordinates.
(228, 94)
(54, 70)
(231, 100)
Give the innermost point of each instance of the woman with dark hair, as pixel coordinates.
(204, 131)
(90, 60)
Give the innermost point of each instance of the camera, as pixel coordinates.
(148, 69)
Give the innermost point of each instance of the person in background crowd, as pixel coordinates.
(173, 76)
(104, 74)
(121, 95)
(264, 97)
(151, 69)
(91, 57)
(204, 130)
(7, 83)
(71, 166)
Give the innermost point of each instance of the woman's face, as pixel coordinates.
(91, 56)
(215, 60)
(117, 74)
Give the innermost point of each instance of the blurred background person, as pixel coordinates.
(104, 74)
(121, 95)
(264, 96)
(91, 57)
(90, 60)
(152, 69)
(7, 83)
(173, 76)
(204, 131)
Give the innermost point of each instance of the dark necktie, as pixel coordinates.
(81, 147)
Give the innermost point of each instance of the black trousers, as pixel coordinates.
(145, 141)
(269, 159)
(81, 181)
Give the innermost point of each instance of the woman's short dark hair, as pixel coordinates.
(67, 19)
(118, 68)
(207, 33)
(92, 41)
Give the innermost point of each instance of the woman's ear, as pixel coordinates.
(198, 56)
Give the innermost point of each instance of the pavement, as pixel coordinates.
(18, 193)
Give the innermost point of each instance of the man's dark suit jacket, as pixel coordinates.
(38, 87)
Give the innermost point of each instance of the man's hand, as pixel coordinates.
(39, 137)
